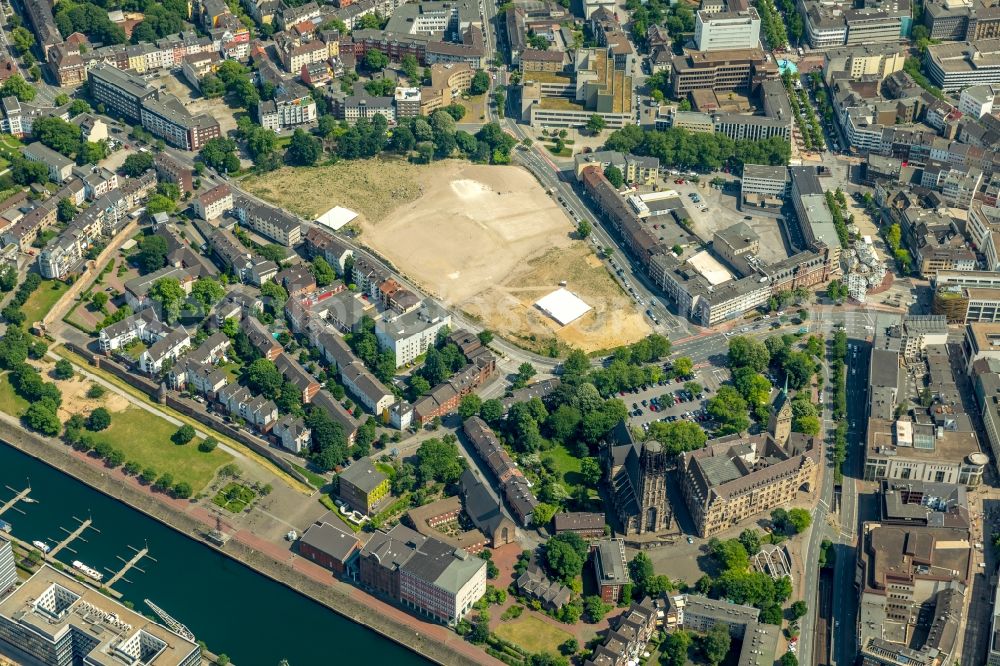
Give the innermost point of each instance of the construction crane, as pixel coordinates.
(171, 623)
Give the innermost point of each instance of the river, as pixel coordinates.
(235, 610)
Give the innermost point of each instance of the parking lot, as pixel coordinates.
(669, 400)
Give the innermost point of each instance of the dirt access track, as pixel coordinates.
(489, 241)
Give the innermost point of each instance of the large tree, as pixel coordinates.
(304, 149)
(438, 460)
(169, 294)
(263, 377)
(565, 554)
(748, 353)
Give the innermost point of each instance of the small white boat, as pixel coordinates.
(5, 526)
(93, 574)
(42, 546)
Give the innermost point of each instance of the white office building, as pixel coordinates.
(727, 30)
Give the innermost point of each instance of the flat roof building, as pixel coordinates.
(58, 620)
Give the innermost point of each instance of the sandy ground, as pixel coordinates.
(489, 241)
(373, 188)
(74, 393)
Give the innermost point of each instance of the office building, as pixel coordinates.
(363, 487)
(735, 478)
(726, 70)
(58, 620)
(610, 569)
(716, 31)
(955, 65)
(425, 574)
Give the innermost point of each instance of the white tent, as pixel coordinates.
(336, 217)
(563, 305)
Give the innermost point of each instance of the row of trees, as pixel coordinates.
(67, 138)
(698, 150)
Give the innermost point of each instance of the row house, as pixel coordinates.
(298, 376)
(189, 375)
(260, 338)
(298, 281)
(165, 350)
(322, 243)
(396, 297)
(238, 304)
(336, 411)
(445, 397)
(258, 411)
(263, 11)
(97, 181)
(276, 224)
(516, 490)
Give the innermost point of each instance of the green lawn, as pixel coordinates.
(533, 634)
(145, 438)
(42, 300)
(232, 370)
(567, 466)
(312, 477)
(234, 497)
(10, 402)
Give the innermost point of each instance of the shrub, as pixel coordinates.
(208, 444)
(63, 369)
(183, 435)
(95, 391)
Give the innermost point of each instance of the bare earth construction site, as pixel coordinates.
(489, 241)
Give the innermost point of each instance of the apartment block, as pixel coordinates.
(410, 334)
(213, 203)
(363, 487)
(276, 224)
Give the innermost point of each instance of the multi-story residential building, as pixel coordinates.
(55, 619)
(162, 115)
(516, 490)
(697, 613)
(324, 244)
(610, 568)
(955, 65)
(213, 203)
(246, 265)
(143, 326)
(431, 577)
(363, 487)
(288, 109)
(716, 31)
(728, 70)
(364, 386)
(294, 54)
(64, 254)
(449, 81)
(993, 651)
(298, 376)
(137, 289)
(735, 478)
(169, 347)
(628, 637)
(276, 224)
(170, 170)
(292, 433)
(934, 240)
(260, 338)
(408, 335)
